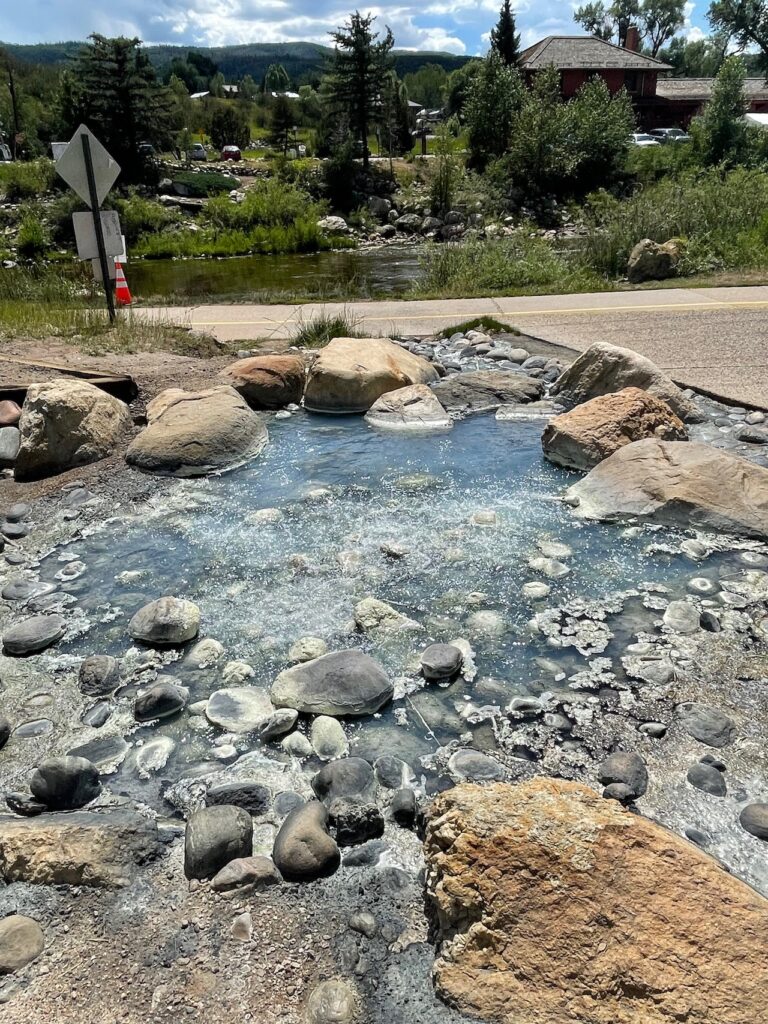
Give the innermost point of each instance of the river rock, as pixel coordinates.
(391, 772)
(707, 724)
(99, 674)
(333, 1002)
(10, 413)
(307, 648)
(412, 408)
(204, 654)
(215, 836)
(586, 435)
(10, 442)
(279, 723)
(21, 942)
(374, 616)
(191, 433)
(679, 483)
(33, 635)
(475, 766)
(64, 783)
(161, 700)
(681, 616)
(25, 590)
(337, 684)
(91, 848)
(169, 620)
(707, 778)
(484, 390)
(304, 850)
(254, 872)
(66, 423)
(547, 903)
(404, 808)
(267, 382)
(625, 768)
(653, 261)
(349, 374)
(251, 796)
(297, 744)
(347, 777)
(6, 728)
(239, 708)
(605, 368)
(441, 661)
(328, 738)
(355, 822)
(754, 819)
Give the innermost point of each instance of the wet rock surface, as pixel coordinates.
(342, 683)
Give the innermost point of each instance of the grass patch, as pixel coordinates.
(201, 184)
(43, 304)
(480, 323)
(317, 332)
(30, 180)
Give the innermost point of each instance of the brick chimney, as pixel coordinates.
(633, 39)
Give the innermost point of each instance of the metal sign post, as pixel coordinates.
(97, 226)
(89, 169)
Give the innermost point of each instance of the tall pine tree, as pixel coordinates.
(112, 88)
(358, 75)
(504, 37)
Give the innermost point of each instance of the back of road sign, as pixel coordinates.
(71, 166)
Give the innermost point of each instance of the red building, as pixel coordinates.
(660, 101)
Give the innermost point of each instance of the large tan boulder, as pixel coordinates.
(586, 435)
(190, 433)
(349, 374)
(93, 848)
(680, 483)
(66, 423)
(556, 906)
(267, 382)
(604, 368)
(654, 261)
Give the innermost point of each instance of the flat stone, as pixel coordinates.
(255, 872)
(328, 738)
(349, 776)
(251, 796)
(707, 779)
(475, 766)
(333, 1002)
(682, 617)
(239, 708)
(338, 684)
(33, 635)
(707, 724)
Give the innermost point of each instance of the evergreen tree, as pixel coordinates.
(230, 126)
(246, 89)
(505, 40)
(394, 125)
(495, 95)
(282, 124)
(358, 75)
(112, 88)
(720, 133)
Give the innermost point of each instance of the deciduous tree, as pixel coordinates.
(720, 133)
(495, 96)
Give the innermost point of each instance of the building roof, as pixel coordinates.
(701, 88)
(585, 52)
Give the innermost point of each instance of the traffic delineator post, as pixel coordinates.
(122, 292)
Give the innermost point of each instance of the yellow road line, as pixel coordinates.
(711, 304)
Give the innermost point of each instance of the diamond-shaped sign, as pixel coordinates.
(71, 166)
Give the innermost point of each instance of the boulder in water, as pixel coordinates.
(267, 382)
(169, 620)
(415, 408)
(485, 390)
(337, 684)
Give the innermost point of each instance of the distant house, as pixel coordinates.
(579, 58)
(659, 101)
(230, 90)
(199, 95)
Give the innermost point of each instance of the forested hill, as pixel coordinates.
(252, 59)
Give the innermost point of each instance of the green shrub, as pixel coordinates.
(32, 239)
(26, 180)
(139, 216)
(268, 203)
(201, 184)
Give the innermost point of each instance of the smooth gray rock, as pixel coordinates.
(391, 772)
(484, 390)
(214, 837)
(404, 808)
(161, 700)
(99, 675)
(304, 849)
(328, 738)
(343, 683)
(707, 724)
(707, 779)
(167, 621)
(21, 938)
(10, 442)
(350, 776)
(65, 783)
(24, 590)
(33, 635)
(333, 1001)
(682, 617)
(754, 819)
(255, 872)
(625, 768)
(239, 709)
(441, 661)
(475, 766)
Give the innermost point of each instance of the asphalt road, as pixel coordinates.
(715, 339)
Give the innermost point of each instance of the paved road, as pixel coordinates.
(711, 338)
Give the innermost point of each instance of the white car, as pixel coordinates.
(641, 139)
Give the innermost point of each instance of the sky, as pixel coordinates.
(457, 26)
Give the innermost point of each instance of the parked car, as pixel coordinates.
(198, 152)
(669, 135)
(642, 139)
(231, 153)
(145, 149)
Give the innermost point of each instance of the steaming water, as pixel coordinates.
(342, 490)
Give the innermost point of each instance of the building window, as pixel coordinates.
(631, 81)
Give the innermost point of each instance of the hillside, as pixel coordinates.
(253, 59)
